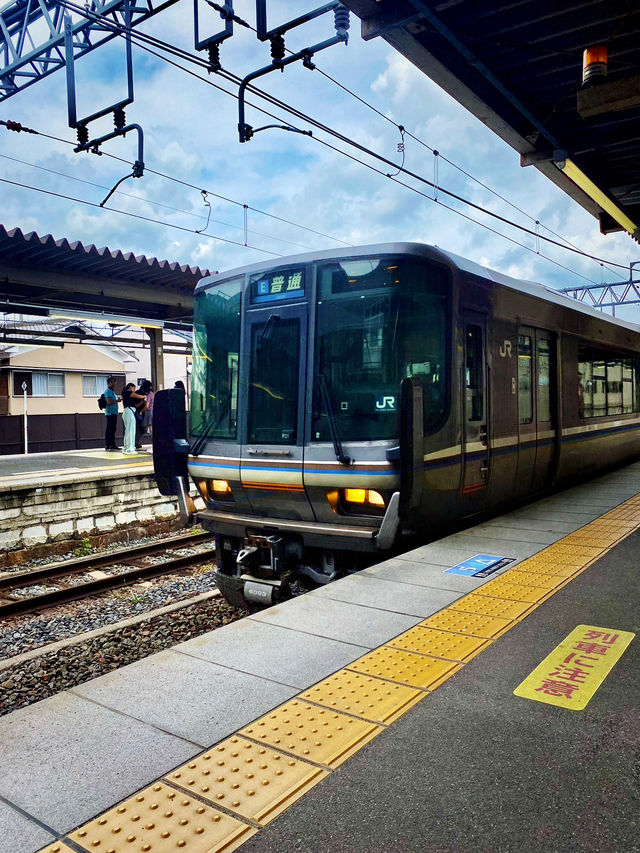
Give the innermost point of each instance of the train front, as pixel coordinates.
(296, 439)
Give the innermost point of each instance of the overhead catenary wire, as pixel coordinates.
(138, 37)
(134, 215)
(152, 201)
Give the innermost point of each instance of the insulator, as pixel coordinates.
(214, 57)
(13, 125)
(119, 119)
(341, 19)
(83, 134)
(277, 48)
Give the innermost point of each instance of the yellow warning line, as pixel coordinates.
(219, 799)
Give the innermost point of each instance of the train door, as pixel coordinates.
(475, 440)
(536, 409)
(274, 406)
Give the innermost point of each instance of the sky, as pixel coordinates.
(327, 199)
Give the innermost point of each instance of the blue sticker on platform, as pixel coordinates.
(480, 566)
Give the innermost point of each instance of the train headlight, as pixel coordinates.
(360, 501)
(220, 490)
(364, 496)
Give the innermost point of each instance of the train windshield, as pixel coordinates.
(377, 321)
(216, 346)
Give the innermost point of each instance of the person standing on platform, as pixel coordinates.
(111, 414)
(142, 408)
(130, 400)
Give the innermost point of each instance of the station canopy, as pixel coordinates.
(42, 276)
(518, 67)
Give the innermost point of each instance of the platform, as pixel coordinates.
(37, 469)
(415, 743)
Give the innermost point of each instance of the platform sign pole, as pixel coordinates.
(26, 439)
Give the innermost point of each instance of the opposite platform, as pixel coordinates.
(446, 775)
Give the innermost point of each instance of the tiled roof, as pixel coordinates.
(31, 249)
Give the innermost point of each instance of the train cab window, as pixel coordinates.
(378, 320)
(273, 381)
(525, 400)
(214, 377)
(474, 368)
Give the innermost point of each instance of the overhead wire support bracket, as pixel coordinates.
(116, 109)
(275, 36)
(212, 43)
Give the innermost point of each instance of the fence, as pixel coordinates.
(47, 433)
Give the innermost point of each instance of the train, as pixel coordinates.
(343, 402)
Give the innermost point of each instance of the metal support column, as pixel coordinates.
(157, 358)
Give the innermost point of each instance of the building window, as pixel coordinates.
(47, 384)
(93, 384)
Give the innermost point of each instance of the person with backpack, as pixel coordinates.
(111, 400)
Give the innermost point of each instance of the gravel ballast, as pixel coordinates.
(40, 673)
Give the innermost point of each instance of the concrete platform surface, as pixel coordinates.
(470, 767)
(43, 468)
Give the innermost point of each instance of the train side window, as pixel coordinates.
(599, 389)
(525, 399)
(627, 385)
(473, 373)
(614, 387)
(544, 379)
(585, 389)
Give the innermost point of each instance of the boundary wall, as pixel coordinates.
(38, 520)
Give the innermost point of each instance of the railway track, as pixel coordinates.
(66, 574)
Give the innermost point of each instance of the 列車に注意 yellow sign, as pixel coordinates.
(574, 670)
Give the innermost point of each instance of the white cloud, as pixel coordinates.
(190, 132)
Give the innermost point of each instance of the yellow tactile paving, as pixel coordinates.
(504, 588)
(544, 568)
(439, 644)
(361, 696)
(541, 580)
(467, 623)
(162, 820)
(315, 734)
(483, 605)
(575, 552)
(253, 781)
(410, 668)
(376, 689)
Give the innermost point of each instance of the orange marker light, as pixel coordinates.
(355, 496)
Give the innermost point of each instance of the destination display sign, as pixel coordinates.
(273, 286)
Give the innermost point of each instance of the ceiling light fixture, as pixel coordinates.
(569, 168)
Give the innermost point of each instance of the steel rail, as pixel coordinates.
(69, 593)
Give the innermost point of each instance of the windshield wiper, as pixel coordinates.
(265, 334)
(333, 429)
